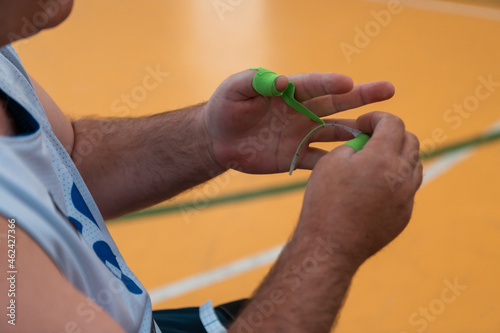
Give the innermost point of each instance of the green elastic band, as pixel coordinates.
(358, 142)
(289, 98)
(263, 83)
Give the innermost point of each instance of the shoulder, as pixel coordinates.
(61, 124)
(13, 72)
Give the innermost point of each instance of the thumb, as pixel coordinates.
(264, 82)
(281, 83)
(314, 155)
(343, 151)
(253, 83)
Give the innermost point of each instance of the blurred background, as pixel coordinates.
(218, 241)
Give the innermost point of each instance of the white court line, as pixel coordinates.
(448, 161)
(450, 8)
(219, 274)
(201, 280)
(444, 164)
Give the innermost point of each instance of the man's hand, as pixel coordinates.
(257, 134)
(355, 204)
(365, 199)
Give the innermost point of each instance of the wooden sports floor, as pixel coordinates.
(218, 241)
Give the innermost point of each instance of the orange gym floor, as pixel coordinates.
(441, 275)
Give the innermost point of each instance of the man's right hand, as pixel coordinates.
(364, 199)
(355, 204)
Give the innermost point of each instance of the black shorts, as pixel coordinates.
(188, 319)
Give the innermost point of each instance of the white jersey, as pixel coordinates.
(41, 189)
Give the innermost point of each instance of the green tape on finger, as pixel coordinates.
(264, 83)
(358, 142)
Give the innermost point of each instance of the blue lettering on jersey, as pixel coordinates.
(105, 253)
(101, 248)
(80, 204)
(77, 224)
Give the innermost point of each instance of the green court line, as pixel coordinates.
(489, 137)
(488, 3)
(189, 206)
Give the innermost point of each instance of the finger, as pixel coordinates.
(334, 133)
(342, 152)
(414, 180)
(311, 157)
(281, 83)
(312, 85)
(411, 149)
(360, 95)
(239, 86)
(418, 175)
(387, 131)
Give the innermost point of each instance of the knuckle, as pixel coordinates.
(379, 114)
(412, 138)
(420, 173)
(397, 121)
(391, 119)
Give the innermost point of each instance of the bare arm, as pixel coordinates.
(44, 300)
(355, 204)
(303, 292)
(130, 164)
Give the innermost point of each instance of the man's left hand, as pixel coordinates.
(257, 134)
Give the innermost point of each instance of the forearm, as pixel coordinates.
(303, 292)
(129, 164)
